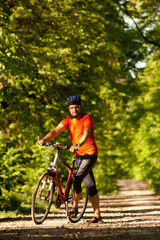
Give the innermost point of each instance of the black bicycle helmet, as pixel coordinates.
(73, 100)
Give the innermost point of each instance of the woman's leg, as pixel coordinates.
(93, 193)
(85, 173)
(76, 200)
(95, 205)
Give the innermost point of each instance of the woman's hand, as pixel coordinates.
(74, 148)
(40, 142)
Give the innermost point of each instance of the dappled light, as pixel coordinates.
(50, 50)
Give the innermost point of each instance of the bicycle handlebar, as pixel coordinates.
(56, 146)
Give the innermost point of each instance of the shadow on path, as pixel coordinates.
(131, 214)
(141, 233)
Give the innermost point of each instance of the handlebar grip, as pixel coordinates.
(45, 144)
(65, 147)
(56, 146)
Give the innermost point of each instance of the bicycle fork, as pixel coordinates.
(49, 189)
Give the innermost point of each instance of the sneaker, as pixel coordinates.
(95, 220)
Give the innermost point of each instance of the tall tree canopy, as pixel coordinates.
(52, 49)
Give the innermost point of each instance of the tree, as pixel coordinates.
(50, 50)
(146, 139)
(145, 16)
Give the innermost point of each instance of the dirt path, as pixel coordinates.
(133, 213)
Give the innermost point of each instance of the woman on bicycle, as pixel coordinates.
(83, 145)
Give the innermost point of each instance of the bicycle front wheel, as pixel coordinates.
(42, 197)
(82, 204)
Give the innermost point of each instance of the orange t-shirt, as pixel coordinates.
(76, 128)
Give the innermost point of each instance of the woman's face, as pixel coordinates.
(74, 110)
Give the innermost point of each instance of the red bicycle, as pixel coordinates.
(49, 190)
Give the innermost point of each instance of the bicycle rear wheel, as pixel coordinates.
(42, 197)
(81, 205)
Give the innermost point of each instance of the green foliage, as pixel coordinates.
(145, 16)
(20, 171)
(146, 141)
(52, 49)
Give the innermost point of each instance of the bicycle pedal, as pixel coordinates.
(57, 205)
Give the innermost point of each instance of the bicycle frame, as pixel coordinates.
(45, 192)
(55, 169)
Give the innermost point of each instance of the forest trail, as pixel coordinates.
(132, 213)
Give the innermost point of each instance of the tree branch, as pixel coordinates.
(139, 30)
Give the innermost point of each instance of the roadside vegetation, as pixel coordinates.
(105, 51)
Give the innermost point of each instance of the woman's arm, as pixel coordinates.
(52, 134)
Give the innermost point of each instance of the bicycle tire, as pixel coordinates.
(81, 205)
(42, 199)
